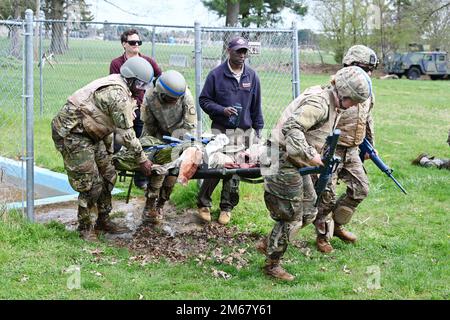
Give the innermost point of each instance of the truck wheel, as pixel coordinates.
(413, 73)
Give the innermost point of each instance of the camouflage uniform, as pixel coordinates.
(350, 170)
(300, 134)
(356, 123)
(166, 119)
(82, 131)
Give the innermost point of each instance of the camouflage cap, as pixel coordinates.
(354, 83)
(360, 54)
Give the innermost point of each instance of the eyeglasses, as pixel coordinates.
(134, 42)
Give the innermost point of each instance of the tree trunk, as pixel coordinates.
(231, 21)
(58, 45)
(232, 13)
(14, 49)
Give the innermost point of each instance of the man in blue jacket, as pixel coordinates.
(231, 97)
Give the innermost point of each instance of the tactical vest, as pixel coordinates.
(353, 132)
(94, 121)
(168, 118)
(317, 134)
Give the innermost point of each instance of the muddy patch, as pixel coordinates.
(179, 237)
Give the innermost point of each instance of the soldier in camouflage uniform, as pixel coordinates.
(299, 136)
(168, 109)
(355, 125)
(425, 160)
(82, 131)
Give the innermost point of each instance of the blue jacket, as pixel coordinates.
(222, 90)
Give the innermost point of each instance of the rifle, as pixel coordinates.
(173, 142)
(330, 163)
(366, 147)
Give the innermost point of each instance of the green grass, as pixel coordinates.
(406, 237)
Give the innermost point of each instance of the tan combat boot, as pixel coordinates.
(261, 246)
(224, 217)
(343, 234)
(151, 214)
(204, 214)
(323, 245)
(273, 269)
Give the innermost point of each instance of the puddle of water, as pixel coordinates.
(12, 189)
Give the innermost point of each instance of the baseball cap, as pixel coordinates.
(238, 43)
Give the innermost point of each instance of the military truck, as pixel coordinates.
(413, 64)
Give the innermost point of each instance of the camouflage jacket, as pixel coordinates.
(163, 119)
(97, 110)
(305, 124)
(356, 123)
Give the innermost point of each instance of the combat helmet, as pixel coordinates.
(354, 83)
(171, 83)
(359, 54)
(140, 69)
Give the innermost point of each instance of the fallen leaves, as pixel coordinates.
(213, 242)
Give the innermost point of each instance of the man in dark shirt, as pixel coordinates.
(131, 42)
(231, 97)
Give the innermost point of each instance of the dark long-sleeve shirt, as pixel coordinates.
(115, 65)
(222, 90)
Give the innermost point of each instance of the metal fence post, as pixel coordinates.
(198, 76)
(295, 62)
(41, 75)
(29, 112)
(153, 41)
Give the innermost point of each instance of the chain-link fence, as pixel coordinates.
(12, 130)
(69, 55)
(73, 54)
(271, 56)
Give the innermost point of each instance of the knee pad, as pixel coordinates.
(343, 214)
(293, 228)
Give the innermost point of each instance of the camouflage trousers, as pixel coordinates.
(160, 187)
(340, 211)
(90, 171)
(290, 198)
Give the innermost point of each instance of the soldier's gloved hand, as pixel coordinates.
(146, 167)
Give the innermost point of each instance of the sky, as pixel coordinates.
(173, 12)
